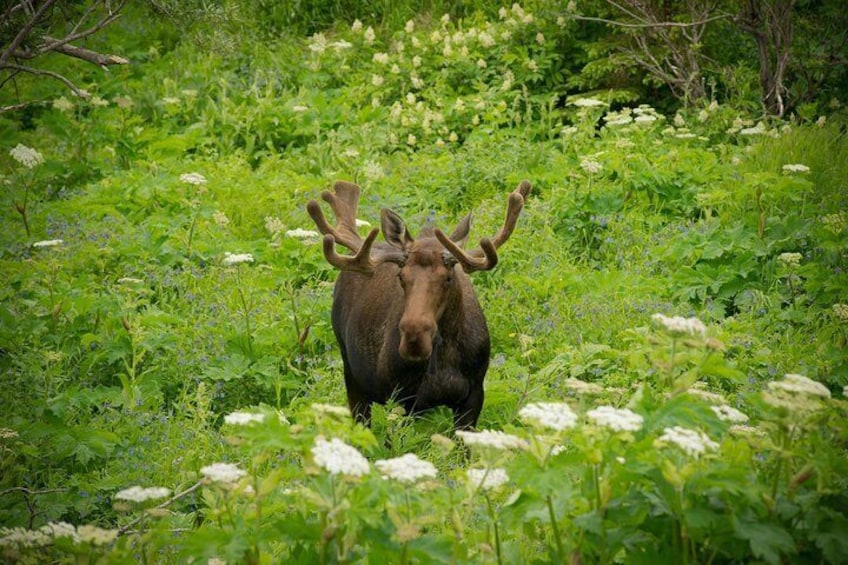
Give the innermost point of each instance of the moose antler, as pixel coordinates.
(344, 200)
(486, 257)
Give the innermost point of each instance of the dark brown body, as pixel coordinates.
(367, 312)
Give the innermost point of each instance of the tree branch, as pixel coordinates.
(647, 24)
(40, 72)
(22, 35)
(86, 54)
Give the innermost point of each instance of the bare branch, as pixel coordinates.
(25, 31)
(648, 24)
(29, 492)
(40, 72)
(86, 54)
(53, 44)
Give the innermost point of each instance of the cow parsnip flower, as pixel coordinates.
(338, 458)
(26, 156)
(231, 259)
(491, 438)
(796, 168)
(223, 472)
(799, 384)
(693, 442)
(487, 479)
(243, 418)
(193, 178)
(406, 469)
(729, 414)
(554, 415)
(48, 243)
(142, 494)
(679, 326)
(616, 419)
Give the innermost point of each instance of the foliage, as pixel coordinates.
(165, 306)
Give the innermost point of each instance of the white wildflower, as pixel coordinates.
(338, 458)
(60, 530)
(693, 442)
(799, 384)
(48, 243)
(26, 156)
(840, 311)
(821, 121)
(679, 326)
(679, 121)
(395, 70)
(381, 58)
(273, 225)
(492, 438)
(141, 494)
(759, 129)
(24, 538)
(63, 104)
(377, 80)
(487, 479)
(685, 135)
(356, 26)
(406, 469)
(587, 103)
(193, 178)
(303, 235)
(540, 38)
(409, 27)
(481, 63)
(300, 108)
(341, 44)
(617, 419)
(97, 101)
(373, 170)
(411, 140)
(590, 166)
(582, 387)
(95, 535)
(243, 418)
(369, 35)
(796, 168)
(486, 40)
(6, 433)
(231, 259)
(223, 472)
(221, 218)
(729, 414)
(703, 116)
(790, 259)
(554, 415)
(645, 119)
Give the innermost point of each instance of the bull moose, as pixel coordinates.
(405, 314)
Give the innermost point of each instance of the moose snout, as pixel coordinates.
(416, 338)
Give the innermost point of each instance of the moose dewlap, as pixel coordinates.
(405, 314)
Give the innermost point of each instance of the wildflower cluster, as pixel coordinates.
(729, 414)
(243, 418)
(616, 419)
(796, 168)
(695, 443)
(338, 458)
(232, 259)
(554, 415)
(406, 469)
(226, 473)
(26, 156)
(195, 179)
(22, 538)
(487, 479)
(142, 494)
(791, 260)
(492, 438)
(678, 326)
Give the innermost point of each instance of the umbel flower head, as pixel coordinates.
(26, 156)
(679, 326)
(491, 438)
(223, 472)
(406, 469)
(193, 178)
(616, 419)
(338, 458)
(693, 442)
(141, 494)
(554, 415)
(231, 259)
(243, 418)
(487, 479)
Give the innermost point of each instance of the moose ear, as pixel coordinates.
(460, 234)
(394, 230)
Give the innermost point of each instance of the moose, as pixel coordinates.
(405, 314)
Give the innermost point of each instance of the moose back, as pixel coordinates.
(405, 314)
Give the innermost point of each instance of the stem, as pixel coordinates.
(560, 552)
(596, 475)
(191, 232)
(245, 309)
(671, 362)
(495, 526)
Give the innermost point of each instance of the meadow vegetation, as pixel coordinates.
(669, 319)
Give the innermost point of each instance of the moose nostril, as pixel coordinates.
(415, 328)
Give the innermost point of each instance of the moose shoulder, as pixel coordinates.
(405, 314)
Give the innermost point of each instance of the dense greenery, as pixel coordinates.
(132, 323)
